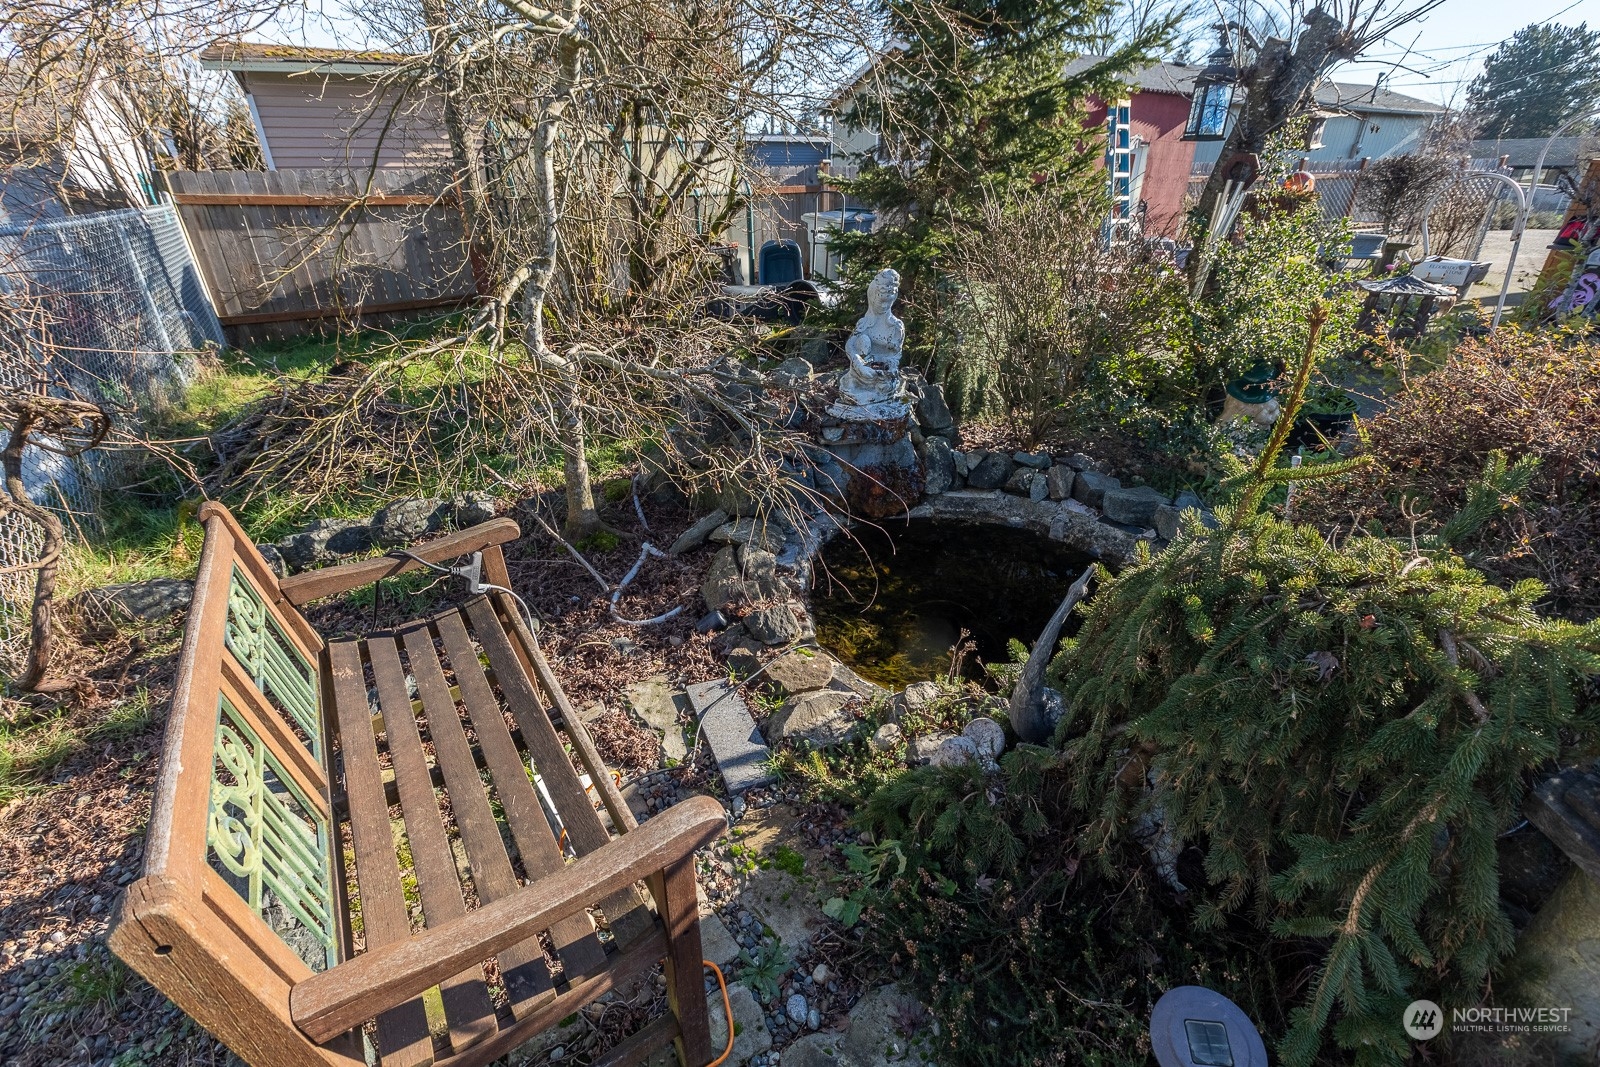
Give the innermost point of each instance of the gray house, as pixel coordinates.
(327, 107)
(1352, 122)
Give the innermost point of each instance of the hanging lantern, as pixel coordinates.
(1213, 95)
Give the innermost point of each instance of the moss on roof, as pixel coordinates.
(291, 54)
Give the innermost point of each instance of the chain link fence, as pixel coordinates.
(109, 308)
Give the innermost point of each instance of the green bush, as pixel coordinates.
(1343, 733)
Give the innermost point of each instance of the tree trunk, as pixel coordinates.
(1277, 88)
(53, 418)
(582, 517)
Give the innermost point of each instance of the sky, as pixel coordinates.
(1449, 45)
(1443, 50)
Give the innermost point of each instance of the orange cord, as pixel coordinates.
(561, 842)
(727, 1013)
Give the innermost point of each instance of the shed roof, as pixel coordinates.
(295, 59)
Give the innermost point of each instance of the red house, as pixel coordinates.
(1162, 160)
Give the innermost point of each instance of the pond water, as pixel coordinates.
(892, 603)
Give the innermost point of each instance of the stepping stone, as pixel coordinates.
(653, 701)
(742, 756)
(716, 943)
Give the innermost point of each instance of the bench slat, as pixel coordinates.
(584, 829)
(403, 1037)
(466, 996)
(574, 937)
(522, 967)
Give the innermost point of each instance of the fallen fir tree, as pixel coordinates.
(1306, 745)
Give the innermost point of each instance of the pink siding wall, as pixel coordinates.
(337, 120)
(1158, 119)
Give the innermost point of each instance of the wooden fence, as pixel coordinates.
(287, 252)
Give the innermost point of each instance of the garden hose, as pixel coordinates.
(727, 1013)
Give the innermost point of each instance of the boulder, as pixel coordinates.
(1021, 481)
(1089, 487)
(918, 696)
(696, 535)
(991, 472)
(469, 509)
(1084, 531)
(801, 670)
(731, 582)
(933, 414)
(274, 560)
(987, 736)
(112, 605)
(403, 521)
(1166, 520)
(793, 371)
(962, 461)
(821, 719)
(325, 541)
(922, 748)
(1058, 482)
(759, 566)
(941, 463)
(887, 737)
(1037, 460)
(1078, 461)
(774, 625)
(744, 656)
(1189, 499)
(765, 534)
(1135, 506)
(954, 752)
(1038, 485)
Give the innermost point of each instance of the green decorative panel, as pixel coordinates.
(281, 673)
(269, 843)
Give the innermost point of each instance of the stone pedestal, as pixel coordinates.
(883, 475)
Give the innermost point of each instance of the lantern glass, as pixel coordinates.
(1208, 114)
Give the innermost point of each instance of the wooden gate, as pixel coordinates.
(286, 252)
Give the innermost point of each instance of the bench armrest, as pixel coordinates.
(331, 581)
(328, 1004)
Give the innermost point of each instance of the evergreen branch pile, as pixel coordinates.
(1324, 740)
(1342, 732)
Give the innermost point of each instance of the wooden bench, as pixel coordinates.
(367, 829)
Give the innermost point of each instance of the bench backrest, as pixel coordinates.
(242, 894)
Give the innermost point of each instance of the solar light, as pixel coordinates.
(1192, 1026)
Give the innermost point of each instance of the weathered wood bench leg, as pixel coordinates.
(686, 989)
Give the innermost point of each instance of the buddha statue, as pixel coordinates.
(873, 349)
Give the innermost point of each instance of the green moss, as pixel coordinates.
(599, 541)
(787, 859)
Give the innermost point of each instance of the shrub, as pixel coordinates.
(1057, 324)
(1524, 394)
(1026, 955)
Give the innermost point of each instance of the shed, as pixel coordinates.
(325, 107)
